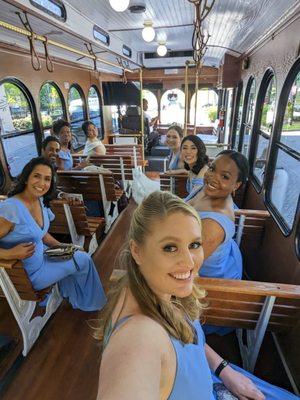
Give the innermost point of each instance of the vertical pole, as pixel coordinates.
(142, 113)
(186, 93)
(196, 97)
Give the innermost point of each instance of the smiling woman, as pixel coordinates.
(25, 219)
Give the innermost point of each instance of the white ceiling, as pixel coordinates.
(233, 24)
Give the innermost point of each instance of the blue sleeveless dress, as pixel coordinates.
(67, 158)
(78, 281)
(194, 380)
(173, 162)
(226, 261)
(193, 185)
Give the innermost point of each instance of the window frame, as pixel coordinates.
(128, 49)
(244, 123)
(102, 133)
(85, 115)
(274, 146)
(58, 3)
(257, 132)
(101, 32)
(36, 129)
(63, 103)
(239, 92)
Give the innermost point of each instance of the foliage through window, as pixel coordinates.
(95, 110)
(51, 106)
(77, 114)
(17, 126)
(207, 107)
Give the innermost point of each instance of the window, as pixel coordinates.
(18, 123)
(207, 107)
(101, 35)
(152, 103)
(266, 111)
(172, 107)
(51, 106)
(245, 139)
(240, 99)
(126, 51)
(95, 114)
(283, 181)
(228, 113)
(55, 8)
(77, 113)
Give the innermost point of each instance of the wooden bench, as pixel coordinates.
(175, 184)
(120, 165)
(71, 219)
(22, 299)
(135, 151)
(92, 186)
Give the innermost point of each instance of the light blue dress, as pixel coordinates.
(193, 184)
(194, 380)
(226, 261)
(78, 281)
(173, 161)
(67, 158)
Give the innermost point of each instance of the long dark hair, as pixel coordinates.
(86, 125)
(241, 163)
(21, 180)
(202, 158)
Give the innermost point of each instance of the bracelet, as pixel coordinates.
(220, 367)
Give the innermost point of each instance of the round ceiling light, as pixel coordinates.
(119, 5)
(161, 49)
(148, 32)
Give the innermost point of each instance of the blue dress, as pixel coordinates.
(78, 282)
(226, 261)
(195, 381)
(173, 162)
(193, 185)
(67, 158)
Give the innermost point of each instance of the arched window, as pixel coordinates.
(228, 113)
(172, 107)
(51, 106)
(207, 107)
(77, 112)
(246, 130)
(95, 114)
(152, 103)
(283, 179)
(18, 125)
(239, 115)
(266, 112)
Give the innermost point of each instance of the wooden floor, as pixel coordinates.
(63, 364)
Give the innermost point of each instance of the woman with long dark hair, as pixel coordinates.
(93, 146)
(174, 137)
(25, 219)
(193, 152)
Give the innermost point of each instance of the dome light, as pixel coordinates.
(119, 5)
(148, 32)
(162, 49)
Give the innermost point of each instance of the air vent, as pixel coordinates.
(170, 54)
(137, 9)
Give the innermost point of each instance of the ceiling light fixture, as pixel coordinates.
(162, 49)
(119, 5)
(148, 32)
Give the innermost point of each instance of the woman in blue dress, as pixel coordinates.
(24, 223)
(193, 152)
(62, 129)
(173, 141)
(222, 256)
(151, 348)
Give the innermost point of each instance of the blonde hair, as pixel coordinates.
(174, 316)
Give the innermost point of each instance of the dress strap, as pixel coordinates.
(112, 328)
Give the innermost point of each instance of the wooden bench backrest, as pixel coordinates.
(112, 162)
(238, 304)
(87, 184)
(126, 149)
(175, 184)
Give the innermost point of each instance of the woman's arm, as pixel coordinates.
(19, 252)
(50, 241)
(213, 236)
(99, 150)
(236, 383)
(131, 363)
